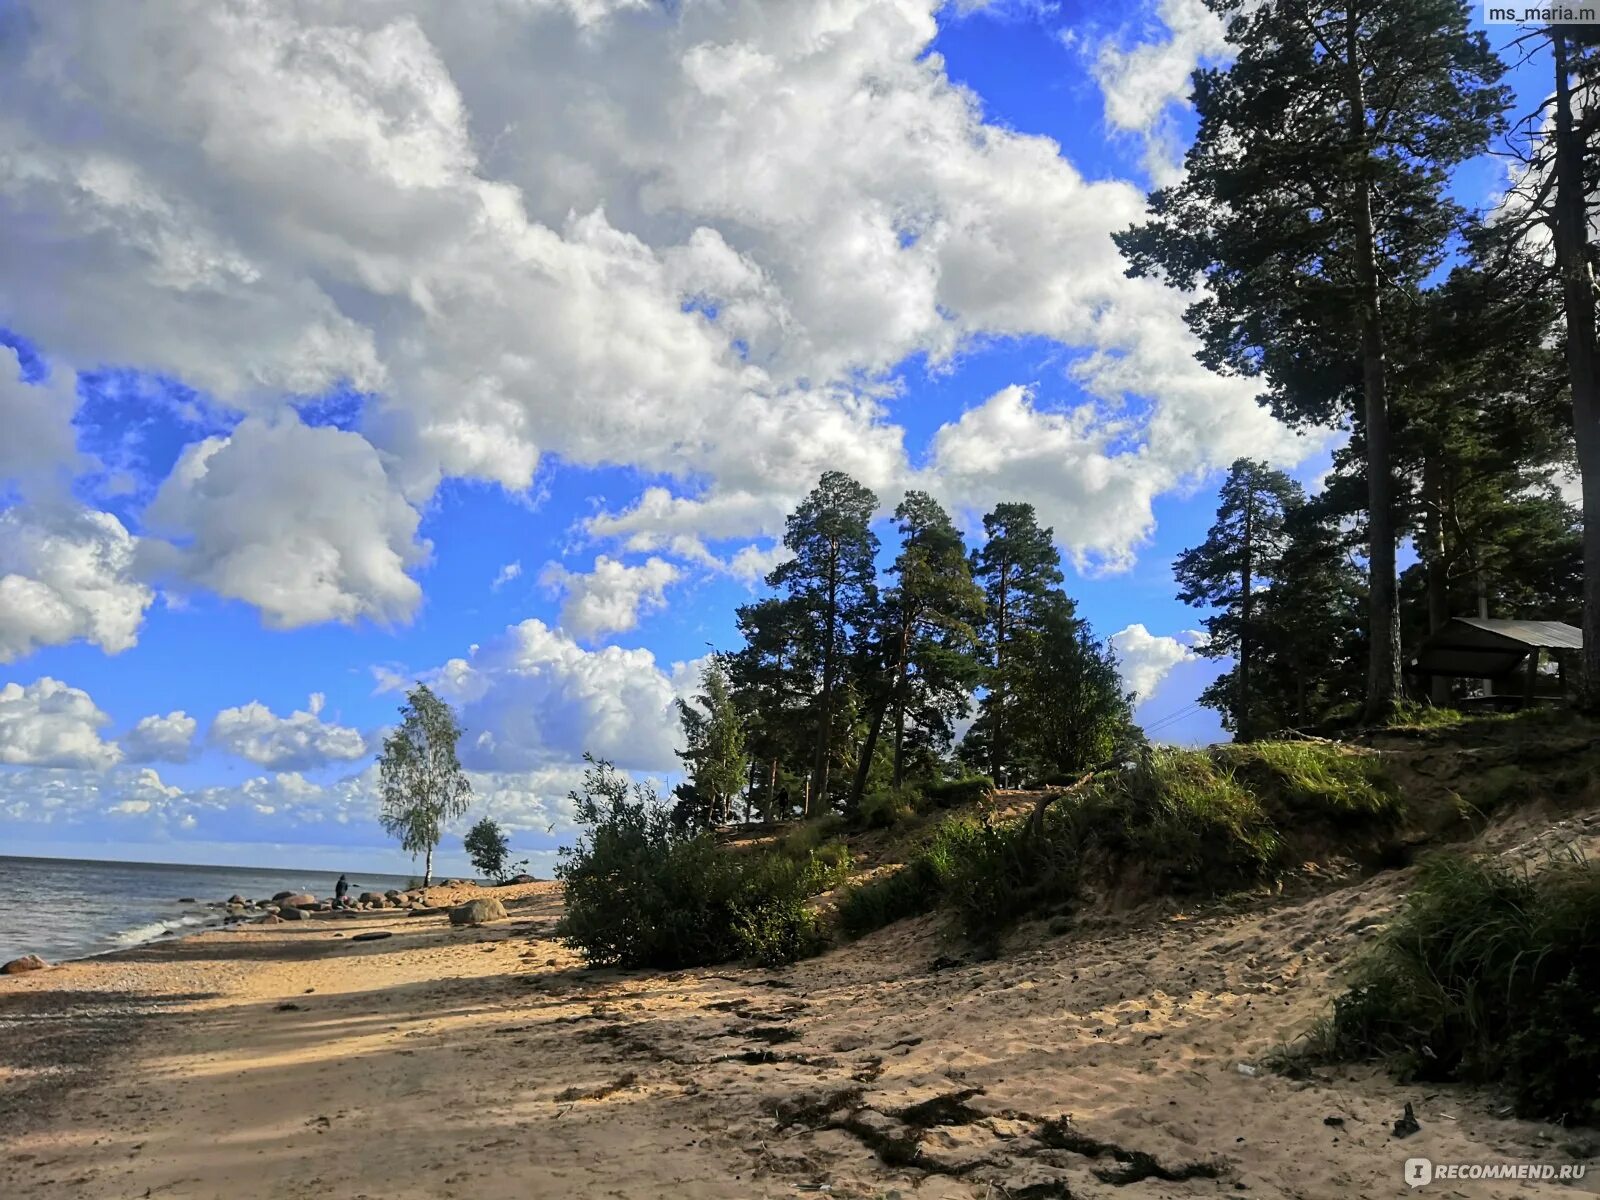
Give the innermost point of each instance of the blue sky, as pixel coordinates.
(349, 346)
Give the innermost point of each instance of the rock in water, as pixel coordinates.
(31, 962)
(297, 900)
(281, 896)
(237, 899)
(478, 912)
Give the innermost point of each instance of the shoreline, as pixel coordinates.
(217, 918)
(290, 1061)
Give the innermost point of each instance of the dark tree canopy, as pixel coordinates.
(1313, 204)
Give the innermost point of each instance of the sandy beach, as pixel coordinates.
(291, 1061)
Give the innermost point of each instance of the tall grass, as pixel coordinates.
(1488, 974)
(1305, 780)
(1183, 821)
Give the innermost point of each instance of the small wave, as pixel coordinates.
(150, 931)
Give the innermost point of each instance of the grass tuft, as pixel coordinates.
(1488, 974)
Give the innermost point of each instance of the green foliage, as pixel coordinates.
(907, 891)
(489, 849)
(1228, 574)
(1488, 974)
(1299, 781)
(643, 892)
(1019, 569)
(420, 779)
(958, 792)
(1072, 709)
(888, 807)
(714, 753)
(1183, 821)
(1187, 821)
(831, 584)
(930, 632)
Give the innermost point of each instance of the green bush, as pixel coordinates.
(1487, 975)
(642, 893)
(954, 793)
(907, 891)
(1186, 819)
(988, 875)
(888, 807)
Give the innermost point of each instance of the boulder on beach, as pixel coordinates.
(372, 935)
(20, 966)
(238, 899)
(523, 879)
(393, 894)
(478, 912)
(281, 896)
(296, 900)
(289, 913)
(370, 898)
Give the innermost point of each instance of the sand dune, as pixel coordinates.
(291, 1062)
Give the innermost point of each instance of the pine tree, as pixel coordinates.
(1314, 196)
(420, 779)
(1313, 642)
(1483, 424)
(1073, 710)
(832, 581)
(714, 750)
(933, 610)
(1241, 555)
(1017, 566)
(1562, 170)
(773, 678)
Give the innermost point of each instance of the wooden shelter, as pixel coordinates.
(1506, 652)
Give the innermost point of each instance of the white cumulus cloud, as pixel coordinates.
(161, 739)
(610, 597)
(301, 521)
(533, 698)
(299, 741)
(67, 573)
(50, 724)
(696, 245)
(1146, 658)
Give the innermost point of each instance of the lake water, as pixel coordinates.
(65, 908)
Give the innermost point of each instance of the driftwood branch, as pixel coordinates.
(1036, 821)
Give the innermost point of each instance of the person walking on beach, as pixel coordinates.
(340, 888)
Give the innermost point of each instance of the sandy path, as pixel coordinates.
(487, 1063)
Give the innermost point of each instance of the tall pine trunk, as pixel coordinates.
(1383, 670)
(1436, 563)
(997, 740)
(825, 730)
(1241, 723)
(899, 695)
(863, 768)
(1577, 295)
